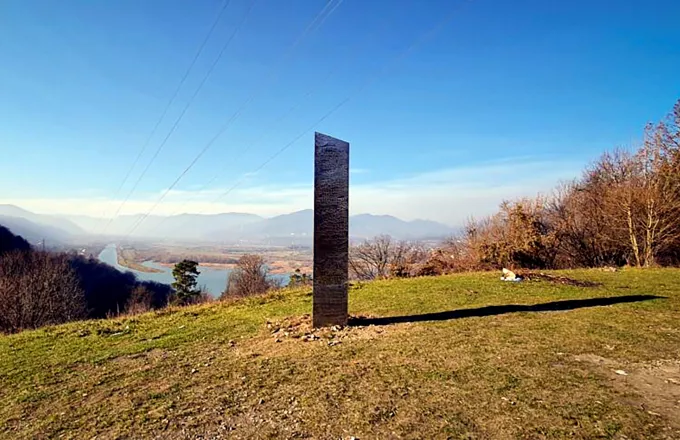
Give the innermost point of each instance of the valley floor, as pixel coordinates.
(491, 360)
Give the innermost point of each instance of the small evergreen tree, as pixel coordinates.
(185, 273)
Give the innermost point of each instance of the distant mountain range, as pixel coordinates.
(37, 227)
(300, 225)
(296, 227)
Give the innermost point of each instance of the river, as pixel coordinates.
(214, 280)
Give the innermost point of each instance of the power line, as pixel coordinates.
(314, 25)
(170, 102)
(281, 118)
(186, 106)
(335, 108)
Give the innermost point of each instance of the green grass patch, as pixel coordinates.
(217, 370)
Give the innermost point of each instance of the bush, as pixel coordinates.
(140, 301)
(250, 277)
(37, 289)
(382, 257)
(623, 210)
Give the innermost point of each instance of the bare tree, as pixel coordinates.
(519, 235)
(582, 234)
(382, 256)
(625, 209)
(370, 259)
(37, 289)
(408, 258)
(249, 277)
(659, 192)
(140, 301)
(640, 195)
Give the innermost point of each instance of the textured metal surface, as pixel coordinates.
(331, 230)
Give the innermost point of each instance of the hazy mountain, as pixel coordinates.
(367, 226)
(300, 223)
(86, 223)
(57, 222)
(299, 227)
(34, 233)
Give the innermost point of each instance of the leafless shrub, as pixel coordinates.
(140, 301)
(383, 257)
(458, 254)
(519, 235)
(203, 296)
(37, 289)
(623, 210)
(407, 259)
(249, 277)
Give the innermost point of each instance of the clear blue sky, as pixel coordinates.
(504, 100)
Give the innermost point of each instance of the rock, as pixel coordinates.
(194, 371)
(621, 372)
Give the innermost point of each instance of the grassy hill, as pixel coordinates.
(254, 369)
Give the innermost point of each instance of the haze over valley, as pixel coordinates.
(287, 229)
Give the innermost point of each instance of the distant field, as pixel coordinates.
(130, 258)
(280, 260)
(571, 364)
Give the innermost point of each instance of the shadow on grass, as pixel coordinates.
(553, 306)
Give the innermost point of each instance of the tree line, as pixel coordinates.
(623, 210)
(39, 288)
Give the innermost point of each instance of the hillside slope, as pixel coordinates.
(34, 232)
(480, 369)
(49, 221)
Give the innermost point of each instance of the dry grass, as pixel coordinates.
(255, 369)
